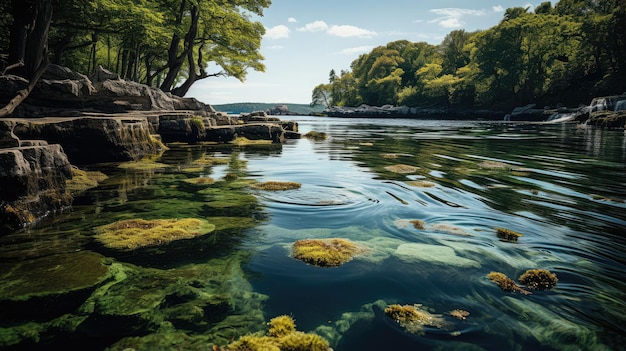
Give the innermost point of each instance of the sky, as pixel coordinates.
(304, 40)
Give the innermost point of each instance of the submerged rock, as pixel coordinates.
(46, 287)
(135, 233)
(436, 254)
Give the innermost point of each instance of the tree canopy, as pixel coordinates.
(166, 43)
(566, 53)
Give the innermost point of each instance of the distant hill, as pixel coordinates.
(247, 107)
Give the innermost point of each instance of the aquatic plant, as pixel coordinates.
(505, 283)
(459, 314)
(326, 252)
(413, 318)
(283, 336)
(142, 165)
(281, 326)
(132, 234)
(243, 141)
(83, 180)
(231, 176)
(538, 279)
(401, 169)
(418, 224)
(507, 234)
(494, 165)
(276, 185)
(316, 135)
(421, 184)
(200, 181)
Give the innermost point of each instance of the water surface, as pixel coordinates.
(560, 186)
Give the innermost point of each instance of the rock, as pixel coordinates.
(7, 137)
(94, 140)
(33, 182)
(47, 287)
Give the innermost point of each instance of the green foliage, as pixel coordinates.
(171, 43)
(566, 53)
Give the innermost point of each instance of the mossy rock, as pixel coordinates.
(316, 135)
(508, 235)
(47, 286)
(505, 283)
(282, 335)
(83, 180)
(538, 279)
(332, 252)
(131, 234)
(401, 169)
(277, 186)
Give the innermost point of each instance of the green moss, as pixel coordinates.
(198, 122)
(200, 181)
(51, 275)
(421, 184)
(508, 235)
(132, 234)
(505, 283)
(316, 135)
(275, 185)
(83, 180)
(243, 141)
(142, 165)
(538, 279)
(281, 326)
(282, 336)
(401, 169)
(326, 252)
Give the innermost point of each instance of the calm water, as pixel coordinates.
(562, 187)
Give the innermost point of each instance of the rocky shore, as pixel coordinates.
(71, 119)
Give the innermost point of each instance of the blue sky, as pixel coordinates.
(305, 40)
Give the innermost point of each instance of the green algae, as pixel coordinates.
(277, 185)
(132, 234)
(52, 275)
(413, 318)
(326, 252)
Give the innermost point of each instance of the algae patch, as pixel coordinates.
(413, 318)
(326, 252)
(132, 234)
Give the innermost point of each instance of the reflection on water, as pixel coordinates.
(560, 186)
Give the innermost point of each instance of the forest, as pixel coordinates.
(169, 44)
(562, 54)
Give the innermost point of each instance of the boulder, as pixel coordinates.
(33, 179)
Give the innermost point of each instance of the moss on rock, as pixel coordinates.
(132, 234)
(413, 318)
(326, 252)
(538, 279)
(505, 283)
(508, 235)
(276, 185)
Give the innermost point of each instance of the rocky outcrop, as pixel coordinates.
(88, 140)
(390, 111)
(62, 92)
(33, 178)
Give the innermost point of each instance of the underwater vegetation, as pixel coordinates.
(507, 234)
(401, 169)
(538, 279)
(413, 318)
(142, 165)
(282, 336)
(316, 135)
(200, 181)
(276, 185)
(418, 224)
(131, 234)
(326, 252)
(459, 314)
(505, 283)
(83, 180)
(421, 184)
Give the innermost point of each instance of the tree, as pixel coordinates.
(322, 95)
(28, 48)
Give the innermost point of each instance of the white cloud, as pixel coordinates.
(277, 32)
(314, 27)
(451, 17)
(291, 20)
(498, 8)
(347, 31)
(343, 31)
(356, 50)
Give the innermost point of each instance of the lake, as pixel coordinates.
(372, 181)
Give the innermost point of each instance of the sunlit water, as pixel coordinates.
(562, 187)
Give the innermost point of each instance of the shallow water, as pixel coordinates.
(562, 187)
